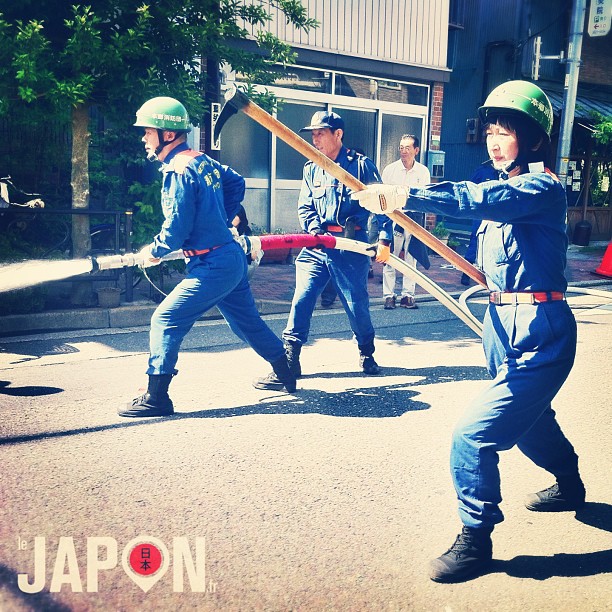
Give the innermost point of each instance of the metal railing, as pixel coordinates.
(120, 246)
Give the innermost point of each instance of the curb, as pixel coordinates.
(123, 316)
(139, 314)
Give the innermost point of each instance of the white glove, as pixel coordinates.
(244, 242)
(145, 257)
(381, 198)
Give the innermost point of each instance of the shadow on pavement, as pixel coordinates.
(30, 391)
(377, 401)
(33, 601)
(596, 515)
(562, 565)
(37, 349)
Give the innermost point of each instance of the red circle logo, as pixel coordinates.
(145, 559)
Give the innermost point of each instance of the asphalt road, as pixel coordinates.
(334, 498)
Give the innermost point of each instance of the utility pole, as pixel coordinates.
(570, 86)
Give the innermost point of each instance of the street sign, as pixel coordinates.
(215, 110)
(600, 17)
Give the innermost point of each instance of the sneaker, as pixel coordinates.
(558, 498)
(144, 406)
(279, 379)
(271, 382)
(467, 558)
(407, 301)
(390, 303)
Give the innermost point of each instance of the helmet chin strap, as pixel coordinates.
(504, 172)
(153, 156)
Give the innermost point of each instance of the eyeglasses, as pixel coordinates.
(408, 148)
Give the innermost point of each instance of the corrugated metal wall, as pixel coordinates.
(406, 31)
(481, 57)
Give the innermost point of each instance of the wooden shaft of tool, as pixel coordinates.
(331, 167)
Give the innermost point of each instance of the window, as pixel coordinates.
(381, 89)
(289, 163)
(360, 130)
(245, 146)
(393, 128)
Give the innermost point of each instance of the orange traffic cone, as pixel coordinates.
(605, 269)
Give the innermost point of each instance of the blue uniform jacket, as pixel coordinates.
(198, 197)
(522, 244)
(325, 201)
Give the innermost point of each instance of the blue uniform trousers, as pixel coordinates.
(349, 272)
(217, 279)
(530, 350)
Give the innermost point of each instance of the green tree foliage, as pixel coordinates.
(603, 130)
(62, 64)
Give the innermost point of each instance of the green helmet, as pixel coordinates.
(519, 98)
(163, 114)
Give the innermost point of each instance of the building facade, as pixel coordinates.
(391, 67)
(493, 42)
(380, 64)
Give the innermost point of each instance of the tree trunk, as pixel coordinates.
(81, 294)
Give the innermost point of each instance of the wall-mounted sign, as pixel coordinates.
(600, 17)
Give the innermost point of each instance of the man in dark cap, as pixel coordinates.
(325, 207)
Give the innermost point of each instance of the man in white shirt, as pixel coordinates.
(405, 171)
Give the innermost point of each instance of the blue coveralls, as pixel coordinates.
(198, 197)
(323, 203)
(530, 349)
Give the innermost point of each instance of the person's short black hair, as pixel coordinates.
(534, 144)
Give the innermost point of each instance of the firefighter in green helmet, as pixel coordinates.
(529, 331)
(164, 115)
(198, 197)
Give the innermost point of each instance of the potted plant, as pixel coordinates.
(441, 232)
(453, 243)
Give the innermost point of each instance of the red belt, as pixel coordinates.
(537, 297)
(339, 228)
(195, 253)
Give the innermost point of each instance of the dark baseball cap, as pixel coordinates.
(324, 119)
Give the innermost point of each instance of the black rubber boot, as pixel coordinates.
(293, 350)
(567, 494)
(281, 378)
(467, 558)
(155, 402)
(366, 360)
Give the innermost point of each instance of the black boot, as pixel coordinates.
(468, 557)
(293, 350)
(280, 378)
(366, 360)
(155, 402)
(568, 493)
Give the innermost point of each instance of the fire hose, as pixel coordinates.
(257, 243)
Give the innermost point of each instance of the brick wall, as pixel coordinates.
(435, 130)
(436, 116)
(596, 54)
